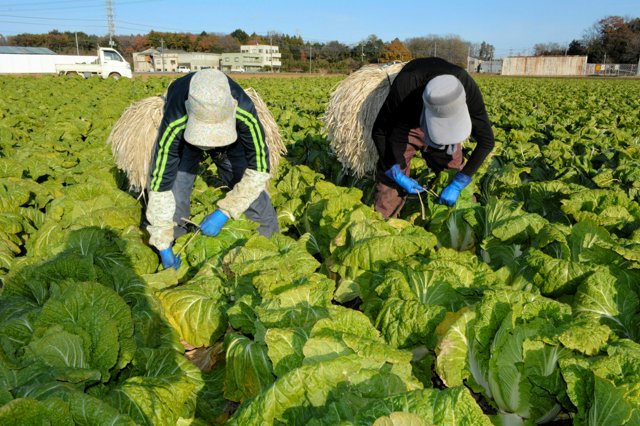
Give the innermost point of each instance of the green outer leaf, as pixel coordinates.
(408, 323)
(609, 407)
(303, 393)
(249, 369)
(448, 407)
(285, 348)
(451, 350)
(196, 310)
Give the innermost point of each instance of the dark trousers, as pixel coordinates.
(231, 167)
(389, 197)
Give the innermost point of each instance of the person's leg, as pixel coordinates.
(183, 187)
(388, 201)
(262, 212)
(389, 197)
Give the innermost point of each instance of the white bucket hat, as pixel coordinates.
(211, 110)
(445, 119)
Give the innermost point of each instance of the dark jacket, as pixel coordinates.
(402, 109)
(171, 147)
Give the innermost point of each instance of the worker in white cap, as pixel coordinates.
(207, 112)
(433, 106)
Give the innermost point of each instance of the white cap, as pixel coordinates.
(446, 119)
(211, 110)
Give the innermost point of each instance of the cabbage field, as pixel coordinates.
(520, 305)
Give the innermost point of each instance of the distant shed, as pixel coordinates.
(544, 65)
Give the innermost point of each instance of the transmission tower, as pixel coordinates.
(110, 24)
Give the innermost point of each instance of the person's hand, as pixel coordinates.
(169, 260)
(405, 182)
(213, 223)
(450, 194)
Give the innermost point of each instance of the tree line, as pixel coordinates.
(296, 53)
(612, 39)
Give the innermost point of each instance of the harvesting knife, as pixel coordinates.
(192, 237)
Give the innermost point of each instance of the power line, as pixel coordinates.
(141, 25)
(9, 5)
(83, 6)
(49, 25)
(51, 19)
(131, 24)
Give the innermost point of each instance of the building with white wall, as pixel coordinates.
(544, 65)
(252, 58)
(159, 60)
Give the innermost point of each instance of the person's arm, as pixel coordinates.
(164, 167)
(483, 134)
(400, 98)
(481, 129)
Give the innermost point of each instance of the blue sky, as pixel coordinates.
(513, 27)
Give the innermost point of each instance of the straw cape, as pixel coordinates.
(133, 136)
(351, 113)
(274, 140)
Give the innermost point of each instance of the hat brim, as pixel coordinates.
(211, 135)
(450, 130)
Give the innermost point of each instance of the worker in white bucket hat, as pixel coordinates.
(433, 106)
(207, 112)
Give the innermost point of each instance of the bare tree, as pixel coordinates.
(334, 51)
(486, 51)
(451, 47)
(549, 49)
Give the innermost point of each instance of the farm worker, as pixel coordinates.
(433, 106)
(207, 113)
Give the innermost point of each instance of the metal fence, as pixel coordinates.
(550, 66)
(612, 69)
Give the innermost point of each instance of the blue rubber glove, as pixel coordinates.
(213, 223)
(450, 194)
(405, 182)
(169, 260)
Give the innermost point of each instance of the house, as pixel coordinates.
(169, 60)
(252, 58)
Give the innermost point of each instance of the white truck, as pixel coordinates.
(107, 63)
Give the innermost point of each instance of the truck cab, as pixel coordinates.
(108, 63)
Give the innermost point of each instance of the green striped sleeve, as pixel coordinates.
(256, 135)
(167, 139)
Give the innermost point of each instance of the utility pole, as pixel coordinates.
(310, 58)
(77, 48)
(162, 54)
(271, 50)
(110, 24)
(361, 54)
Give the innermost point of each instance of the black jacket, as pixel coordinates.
(402, 109)
(171, 150)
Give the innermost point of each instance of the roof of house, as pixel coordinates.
(27, 50)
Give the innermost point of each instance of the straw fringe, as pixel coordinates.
(274, 140)
(132, 139)
(133, 136)
(351, 113)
